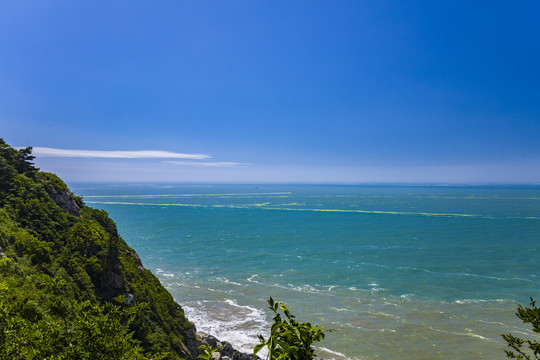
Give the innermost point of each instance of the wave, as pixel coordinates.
(250, 279)
(497, 278)
(488, 277)
(163, 273)
(333, 354)
(478, 301)
(264, 206)
(228, 321)
(144, 196)
(227, 281)
(468, 332)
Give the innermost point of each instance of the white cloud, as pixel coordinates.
(210, 164)
(139, 154)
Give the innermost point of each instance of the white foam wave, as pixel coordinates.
(335, 353)
(468, 332)
(407, 297)
(162, 272)
(477, 301)
(386, 315)
(472, 334)
(498, 278)
(306, 288)
(228, 321)
(331, 351)
(252, 277)
(342, 309)
(388, 331)
(227, 281)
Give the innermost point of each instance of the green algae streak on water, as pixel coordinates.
(395, 272)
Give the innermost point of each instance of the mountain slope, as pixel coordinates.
(63, 267)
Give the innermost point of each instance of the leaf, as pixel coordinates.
(289, 340)
(258, 348)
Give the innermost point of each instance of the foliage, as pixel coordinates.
(207, 352)
(38, 320)
(20, 159)
(288, 338)
(523, 349)
(52, 180)
(60, 275)
(71, 288)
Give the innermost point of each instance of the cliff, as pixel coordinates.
(70, 286)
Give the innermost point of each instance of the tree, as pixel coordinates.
(523, 349)
(20, 159)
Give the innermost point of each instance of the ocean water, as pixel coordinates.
(408, 272)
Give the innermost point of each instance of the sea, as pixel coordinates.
(390, 272)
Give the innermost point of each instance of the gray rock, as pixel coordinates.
(64, 199)
(130, 298)
(207, 340)
(115, 280)
(138, 261)
(225, 349)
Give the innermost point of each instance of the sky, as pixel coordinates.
(274, 91)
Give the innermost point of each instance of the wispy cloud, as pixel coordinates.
(209, 163)
(139, 154)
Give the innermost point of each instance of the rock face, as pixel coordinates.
(114, 280)
(225, 350)
(124, 274)
(115, 283)
(64, 199)
(135, 256)
(51, 235)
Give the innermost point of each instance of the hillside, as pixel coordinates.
(70, 286)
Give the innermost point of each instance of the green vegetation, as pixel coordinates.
(70, 287)
(289, 339)
(208, 351)
(522, 349)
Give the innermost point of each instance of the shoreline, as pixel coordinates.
(378, 280)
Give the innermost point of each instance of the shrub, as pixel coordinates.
(523, 349)
(289, 339)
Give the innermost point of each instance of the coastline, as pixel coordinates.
(382, 285)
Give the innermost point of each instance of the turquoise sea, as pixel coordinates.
(408, 272)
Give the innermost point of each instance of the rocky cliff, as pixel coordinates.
(64, 270)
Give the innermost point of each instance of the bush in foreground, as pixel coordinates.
(289, 339)
(523, 349)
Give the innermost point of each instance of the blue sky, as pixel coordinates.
(274, 91)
